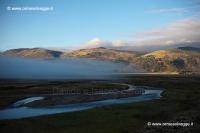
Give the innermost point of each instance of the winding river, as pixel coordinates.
(19, 110)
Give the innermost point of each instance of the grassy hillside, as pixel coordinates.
(103, 53)
(33, 53)
(172, 60)
(178, 60)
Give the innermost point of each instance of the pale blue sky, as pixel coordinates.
(74, 22)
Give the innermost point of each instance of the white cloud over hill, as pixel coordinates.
(179, 32)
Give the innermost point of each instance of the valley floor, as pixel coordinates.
(179, 103)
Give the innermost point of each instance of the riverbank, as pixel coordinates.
(20, 110)
(92, 96)
(179, 103)
(58, 92)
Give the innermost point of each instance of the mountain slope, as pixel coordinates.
(189, 49)
(171, 60)
(33, 53)
(103, 53)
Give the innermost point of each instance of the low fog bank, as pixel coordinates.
(70, 68)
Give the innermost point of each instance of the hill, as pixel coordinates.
(178, 60)
(104, 54)
(33, 53)
(189, 49)
(171, 60)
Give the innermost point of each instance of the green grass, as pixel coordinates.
(180, 102)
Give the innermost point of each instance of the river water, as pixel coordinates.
(21, 111)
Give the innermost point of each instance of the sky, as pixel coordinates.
(91, 23)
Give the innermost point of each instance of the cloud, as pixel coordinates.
(96, 42)
(182, 31)
(69, 68)
(93, 43)
(177, 10)
(186, 31)
(169, 10)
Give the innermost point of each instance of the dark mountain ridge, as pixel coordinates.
(176, 60)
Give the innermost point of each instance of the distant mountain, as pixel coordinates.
(103, 53)
(171, 60)
(33, 53)
(154, 47)
(189, 49)
(175, 60)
